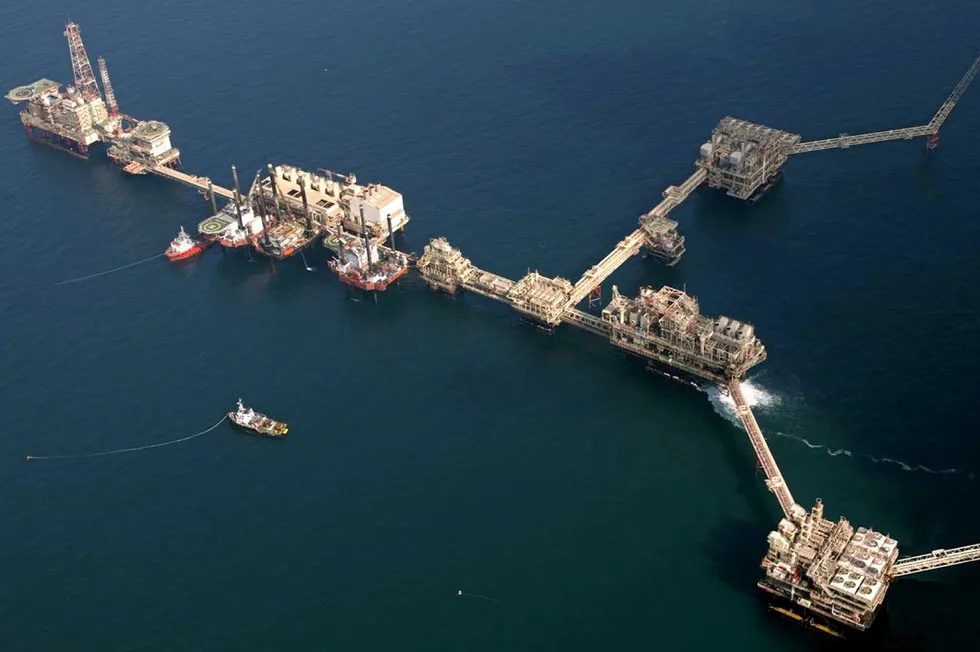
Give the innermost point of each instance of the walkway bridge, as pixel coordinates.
(593, 278)
(774, 478)
(588, 322)
(931, 129)
(201, 183)
(630, 245)
(674, 195)
(936, 559)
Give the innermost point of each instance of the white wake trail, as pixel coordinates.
(762, 399)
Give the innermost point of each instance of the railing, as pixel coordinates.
(947, 107)
(587, 322)
(844, 140)
(625, 249)
(674, 195)
(936, 559)
(774, 479)
(201, 183)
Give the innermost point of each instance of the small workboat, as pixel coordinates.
(255, 423)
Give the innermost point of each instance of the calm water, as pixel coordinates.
(437, 445)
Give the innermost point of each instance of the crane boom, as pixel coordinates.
(110, 97)
(845, 140)
(936, 559)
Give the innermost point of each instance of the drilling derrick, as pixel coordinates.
(84, 77)
(110, 97)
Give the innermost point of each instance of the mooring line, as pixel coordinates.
(125, 450)
(108, 271)
(462, 593)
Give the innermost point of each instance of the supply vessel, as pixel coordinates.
(255, 423)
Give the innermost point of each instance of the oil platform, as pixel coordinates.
(79, 117)
(330, 201)
(288, 209)
(826, 574)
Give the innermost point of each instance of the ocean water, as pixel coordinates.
(437, 445)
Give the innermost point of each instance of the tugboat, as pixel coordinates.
(184, 246)
(257, 424)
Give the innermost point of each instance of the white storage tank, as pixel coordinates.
(735, 158)
(706, 150)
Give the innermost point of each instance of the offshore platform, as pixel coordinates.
(827, 574)
(79, 117)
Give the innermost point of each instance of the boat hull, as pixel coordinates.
(666, 370)
(672, 373)
(377, 286)
(196, 250)
(543, 327)
(284, 253)
(261, 432)
(762, 190)
(234, 244)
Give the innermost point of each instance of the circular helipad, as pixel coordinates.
(151, 129)
(21, 93)
(212, 225)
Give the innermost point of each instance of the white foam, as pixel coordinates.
(761, 399)
(758, 398)
(834, 452)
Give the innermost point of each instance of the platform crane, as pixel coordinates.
(110, 97)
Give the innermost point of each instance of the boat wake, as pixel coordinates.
(835, 452)
(762, 399)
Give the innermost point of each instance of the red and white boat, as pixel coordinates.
(373, 269)
(184, 246)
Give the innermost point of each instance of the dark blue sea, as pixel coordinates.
(438, 445)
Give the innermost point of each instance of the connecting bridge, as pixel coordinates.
(774, 478)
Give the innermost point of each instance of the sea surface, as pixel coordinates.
(438, 445)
